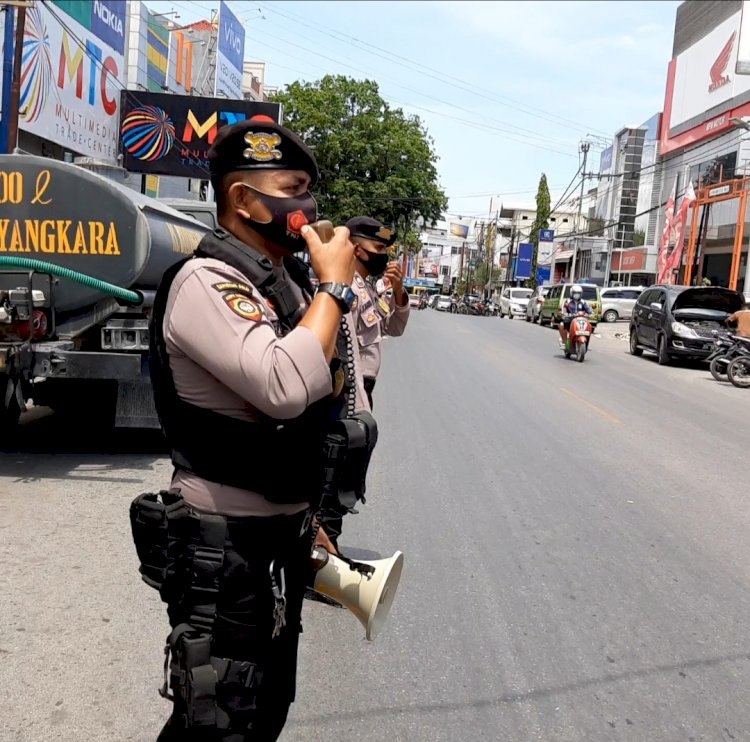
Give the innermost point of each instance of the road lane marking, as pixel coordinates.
(599, 410)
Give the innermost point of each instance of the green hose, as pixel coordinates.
(132, 297)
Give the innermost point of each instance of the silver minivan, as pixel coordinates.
(618, 302)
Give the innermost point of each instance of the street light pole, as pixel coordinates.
(585, 146)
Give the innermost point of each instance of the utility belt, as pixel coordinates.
(182, 555)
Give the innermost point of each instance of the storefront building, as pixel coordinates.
(705, 139)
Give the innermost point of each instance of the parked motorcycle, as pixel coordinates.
(579, 337)
(726, 349)
(738, 370)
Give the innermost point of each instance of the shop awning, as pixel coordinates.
(562, 256)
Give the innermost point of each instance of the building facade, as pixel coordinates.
(704, 132)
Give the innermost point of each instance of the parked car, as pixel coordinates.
(551, 311)
(442, 303)
(513, 302)
(618, 302)
(680, 321)
(534, 307)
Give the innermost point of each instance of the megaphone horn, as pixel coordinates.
(368, 596)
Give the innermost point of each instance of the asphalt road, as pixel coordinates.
(577, 559)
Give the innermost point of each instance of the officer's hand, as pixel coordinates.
(333, 262)
(321, 539)
(395, 275)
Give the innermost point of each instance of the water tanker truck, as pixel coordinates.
(80, 260)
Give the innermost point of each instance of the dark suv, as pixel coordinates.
(679, 321)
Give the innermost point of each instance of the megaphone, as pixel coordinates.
(367, 589)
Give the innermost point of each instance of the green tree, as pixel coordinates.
(540, 222)
(374, 160)
(639, 238)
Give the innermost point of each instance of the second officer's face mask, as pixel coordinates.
(288, 215)
(376, 262)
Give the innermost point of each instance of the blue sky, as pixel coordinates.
(506, 89)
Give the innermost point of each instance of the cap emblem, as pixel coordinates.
(262, 146)
(384, 233)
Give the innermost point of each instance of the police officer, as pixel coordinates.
(377, 311)
(248, 368)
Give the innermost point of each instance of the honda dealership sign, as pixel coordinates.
(231, 54)
(72, 72)
(704, 89)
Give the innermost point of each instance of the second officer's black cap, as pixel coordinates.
(259, 143)
(370, 229)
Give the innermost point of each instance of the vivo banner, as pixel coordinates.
(229, 60)
(72, 72)
(523, 264)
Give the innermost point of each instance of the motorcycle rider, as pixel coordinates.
(573, 306)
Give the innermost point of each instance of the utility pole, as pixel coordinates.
(585, 146)
(15, 90)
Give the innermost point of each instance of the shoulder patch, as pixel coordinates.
(242, 306)
(242, 288)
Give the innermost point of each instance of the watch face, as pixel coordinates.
(349, 296)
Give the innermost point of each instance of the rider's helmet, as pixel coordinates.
(576, 293)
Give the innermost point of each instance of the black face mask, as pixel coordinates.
(376, 262)
(288, 216)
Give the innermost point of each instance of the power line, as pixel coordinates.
(439, 75)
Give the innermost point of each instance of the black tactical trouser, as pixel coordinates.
(259, 679)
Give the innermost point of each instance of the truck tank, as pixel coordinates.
(71, 217)
(74, 311)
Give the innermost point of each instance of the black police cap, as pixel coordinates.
(370, 229)
(259, 143)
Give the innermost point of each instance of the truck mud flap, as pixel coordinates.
(135, 406)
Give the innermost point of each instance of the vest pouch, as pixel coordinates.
(349, 446)
(155, 520)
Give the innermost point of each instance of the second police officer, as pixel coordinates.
(380, 308)
(382, 304)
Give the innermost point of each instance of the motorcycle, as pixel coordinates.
(726, 349)
(491, 309)
(738, 370)
(579, 337)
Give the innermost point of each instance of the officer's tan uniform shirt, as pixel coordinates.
(226, 356)
(375, 316)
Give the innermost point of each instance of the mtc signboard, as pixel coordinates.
(72, 71)
(171, 134)
(231, 54)
(523, 264)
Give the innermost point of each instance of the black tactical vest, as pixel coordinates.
(283, 460)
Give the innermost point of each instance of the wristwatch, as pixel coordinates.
(342, 292)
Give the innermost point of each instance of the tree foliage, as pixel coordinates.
(374, 160)
(540, 222)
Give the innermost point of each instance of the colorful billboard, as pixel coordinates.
(231, 54)
(167, 134)
(458, 229)
(72, 73)
(157, 55)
